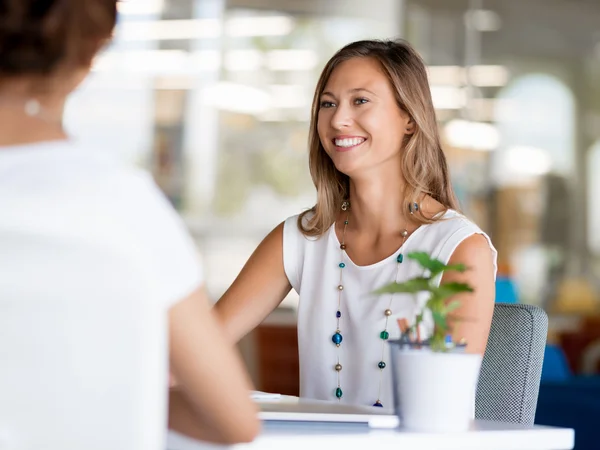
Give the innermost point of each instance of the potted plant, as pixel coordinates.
(434, 380)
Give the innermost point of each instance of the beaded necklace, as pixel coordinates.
(384, 335)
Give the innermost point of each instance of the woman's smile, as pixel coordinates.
(347, 143)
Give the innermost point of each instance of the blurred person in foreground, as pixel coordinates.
(98, 276)
(383, 191)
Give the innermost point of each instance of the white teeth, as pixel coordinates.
(348, 142)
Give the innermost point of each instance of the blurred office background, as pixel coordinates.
(213, 96)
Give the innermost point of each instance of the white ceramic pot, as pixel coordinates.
(434, 392)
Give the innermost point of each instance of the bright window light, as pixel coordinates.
(446, 75)
(472, 135)
(480, 75)
(291, 60)
(237, 98)
(448, 97)
(164, 30)
(522, 160)
(140, 7)
(489, 75)
(243, 60)
(290, 96)
(259, 26)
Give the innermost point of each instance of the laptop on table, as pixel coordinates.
(294, 409)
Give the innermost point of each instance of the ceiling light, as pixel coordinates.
(483, 20)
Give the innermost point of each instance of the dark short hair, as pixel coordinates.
(39, 36)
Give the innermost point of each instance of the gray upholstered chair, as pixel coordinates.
(509, 381)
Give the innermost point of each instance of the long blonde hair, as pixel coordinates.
(424, 164)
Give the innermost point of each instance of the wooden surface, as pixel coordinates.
(276, 350)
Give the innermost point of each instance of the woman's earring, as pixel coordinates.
(345, 205)
(413, 207)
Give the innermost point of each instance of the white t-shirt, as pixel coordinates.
(312, 267)
(91, 257)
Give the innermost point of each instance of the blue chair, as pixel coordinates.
(555, 366)
(568, 400)
(506, 291)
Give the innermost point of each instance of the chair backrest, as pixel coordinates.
(509, 381)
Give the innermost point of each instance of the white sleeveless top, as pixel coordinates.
(312, 267)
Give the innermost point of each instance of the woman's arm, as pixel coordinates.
(259, 288)
(212, 401)
(477, 307)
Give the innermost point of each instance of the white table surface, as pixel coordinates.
(334, 436)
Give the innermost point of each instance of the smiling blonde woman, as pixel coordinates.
(383, 190)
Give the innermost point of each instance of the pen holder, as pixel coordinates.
(433, 391)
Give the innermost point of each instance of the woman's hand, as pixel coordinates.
(212, 399)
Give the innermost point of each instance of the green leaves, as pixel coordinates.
(438, 303)
(454, 304)
(433, 265)
(439, 318)
(449, 289)
(409, 287)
